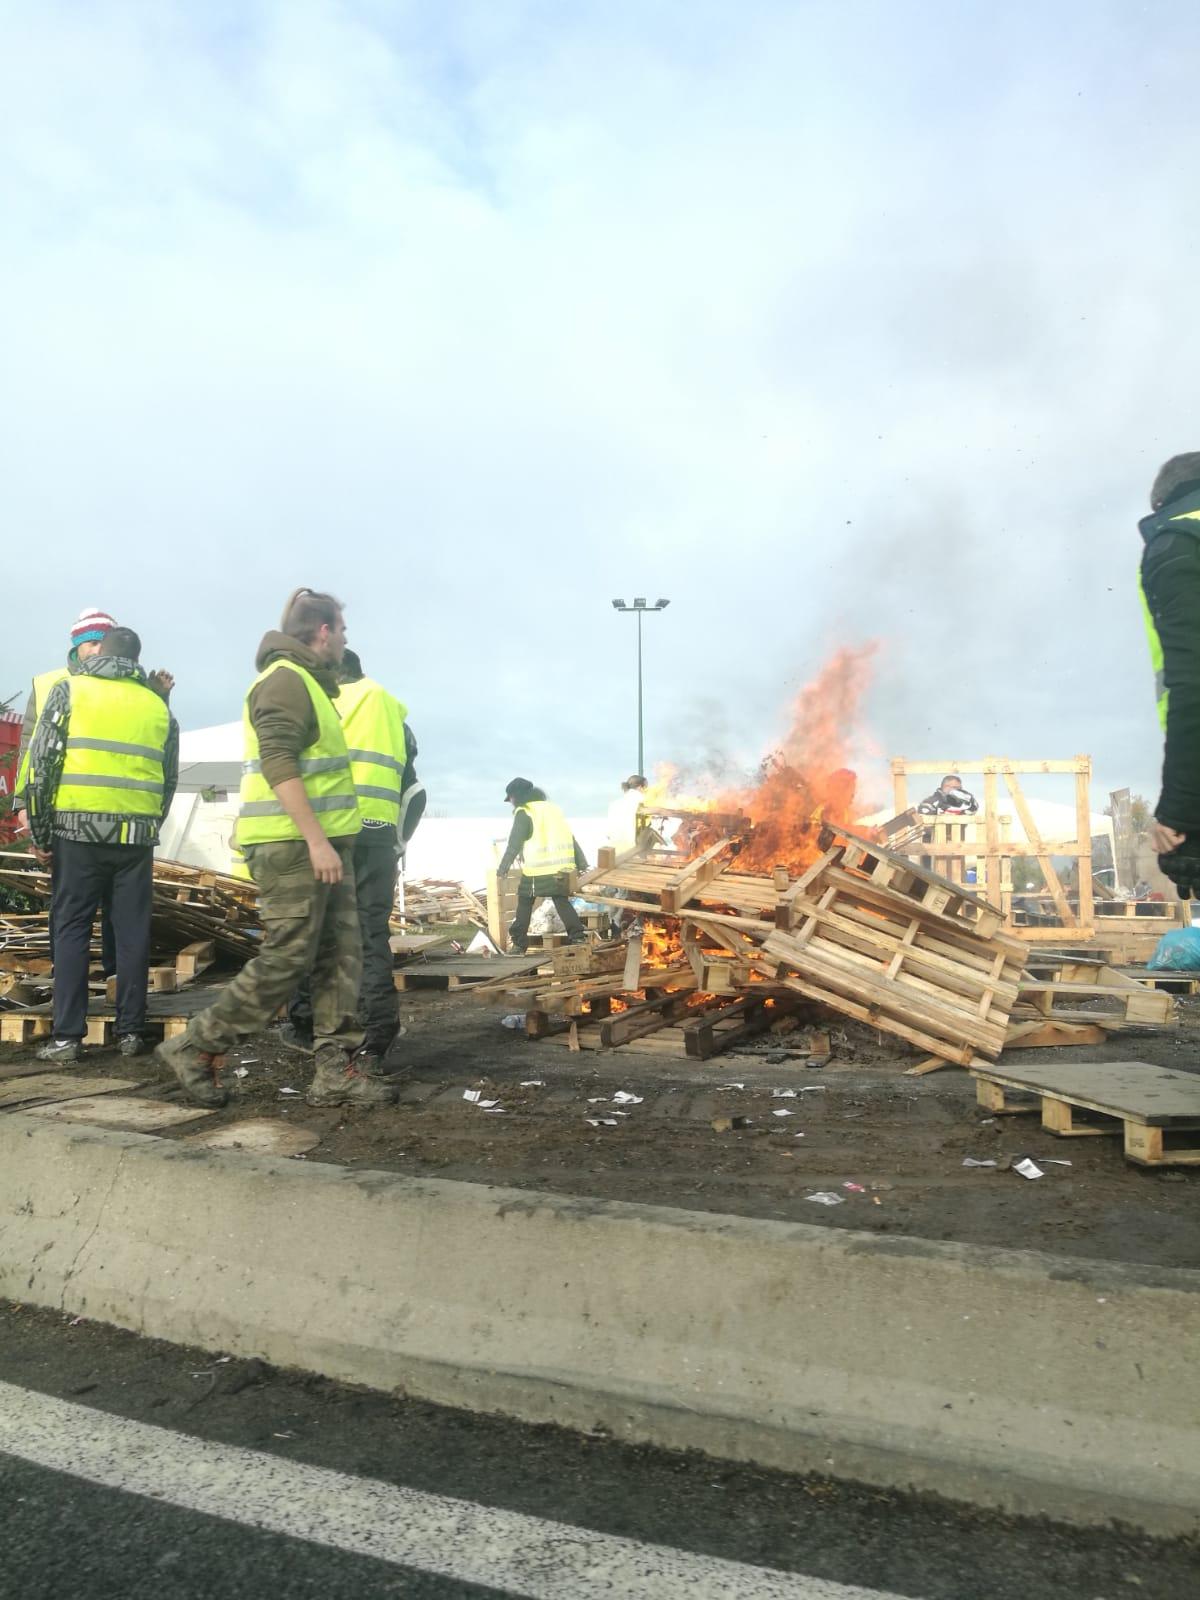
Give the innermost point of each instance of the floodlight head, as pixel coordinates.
(619, 605)
(660, 605)
(639, 601)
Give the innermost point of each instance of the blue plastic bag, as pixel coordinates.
(1178, 951)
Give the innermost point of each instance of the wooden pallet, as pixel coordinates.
(1146, 1104)
(1177, 983)
(1125, 1002)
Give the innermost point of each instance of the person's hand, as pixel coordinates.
(1182, 866)
(42, 857)
(161, 681)
(1164, 839)
(22, 823)
(326, 863)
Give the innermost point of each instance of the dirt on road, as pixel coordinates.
(890, 1147)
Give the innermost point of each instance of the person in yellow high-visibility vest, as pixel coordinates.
(101, 775)
(549, 852)
(1169, 587)
(382, 752)
(298, 819)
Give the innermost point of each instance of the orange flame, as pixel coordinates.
(808, 780)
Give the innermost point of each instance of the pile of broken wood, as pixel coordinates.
(427, 901)
(198, 916)
(863, 934)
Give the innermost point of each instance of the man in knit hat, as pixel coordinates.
(88, 630)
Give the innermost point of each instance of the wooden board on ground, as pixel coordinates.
(260, 1136)
(1148, 1104)
(59, 1086)
(1051, 1035)
(463, 971)
(122, 1111)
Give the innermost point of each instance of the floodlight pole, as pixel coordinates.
(639, 608)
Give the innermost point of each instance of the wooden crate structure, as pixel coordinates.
(950, 844)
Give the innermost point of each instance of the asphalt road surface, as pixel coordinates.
(133, 1468)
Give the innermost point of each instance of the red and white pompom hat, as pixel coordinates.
(91, 624)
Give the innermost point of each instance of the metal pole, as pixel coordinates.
(641, 755)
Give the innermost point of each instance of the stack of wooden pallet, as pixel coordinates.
(863, 932)
(430, 900)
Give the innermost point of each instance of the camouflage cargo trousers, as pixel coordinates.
(308, 928)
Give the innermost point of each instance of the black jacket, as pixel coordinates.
(1171, 582)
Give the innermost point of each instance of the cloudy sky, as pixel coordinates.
(832, 322)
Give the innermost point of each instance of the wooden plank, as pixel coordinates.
(1053, 883)
(698, 872)
(1051, 1035)
(194, 959)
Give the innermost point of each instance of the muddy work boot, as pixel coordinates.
(339, 1081)
(133, 1044)
(198, 1072)
(64, 1050)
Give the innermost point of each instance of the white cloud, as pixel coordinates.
(828, 322)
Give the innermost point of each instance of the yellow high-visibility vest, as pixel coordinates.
(550, 849)
(116, 743)
(324, 771)
(1156, 657)
(373, 722)
(42, 686)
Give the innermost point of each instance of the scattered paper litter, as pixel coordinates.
(533, 1083)
(240, 1072)
(472, 1095)
(731, 1086)
(813, 1088)
(854, 1188)
(487, 1105)
(797, 1136)
(783, 1113)
(1055, 1161)
(624, 1098)
(970, 1161)
(248, 1061)
(824, 1198)
(491, 1109)
(602, 1122)
(515, 1019)
(289, 1091)
(783, 1094)
(1027, 1169)
(597, 1099)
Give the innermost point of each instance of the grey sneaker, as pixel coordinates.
(198, 1072)
(133, 1044)
(338, 1081)
(60, 1050)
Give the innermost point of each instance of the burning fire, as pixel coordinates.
(808, 780)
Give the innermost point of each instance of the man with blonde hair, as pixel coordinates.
(297, 822)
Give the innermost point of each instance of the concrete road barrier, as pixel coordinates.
(1001, 1377)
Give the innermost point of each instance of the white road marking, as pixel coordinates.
(431, 1533)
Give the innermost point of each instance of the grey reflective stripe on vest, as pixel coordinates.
(103, 780)
(1160, 685)
(324, 802)
(377, 759)
(116, 747)
(313, 764)
(378, 792)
